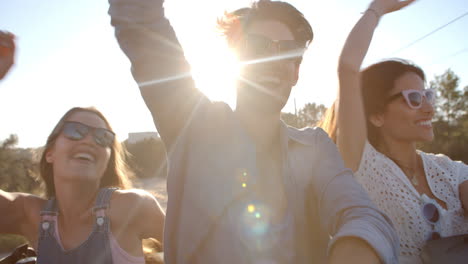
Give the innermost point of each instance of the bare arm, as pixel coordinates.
(351, 119)
(16, 210)
(158, 64)
(152, 218)
(463, 189)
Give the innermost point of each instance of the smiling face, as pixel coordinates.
(399, 121)
(267, 79)
(80, 159)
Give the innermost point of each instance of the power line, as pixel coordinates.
(451, 55)
(430, 33)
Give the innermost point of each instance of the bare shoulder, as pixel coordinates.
(31, 204)
(125, 204)
(129, 198)
(136, 211)
(28, 208)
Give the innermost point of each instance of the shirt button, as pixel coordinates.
(45, 225)
(100, 221)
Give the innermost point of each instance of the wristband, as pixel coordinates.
(373, 11)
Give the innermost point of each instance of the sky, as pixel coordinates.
(67, 56)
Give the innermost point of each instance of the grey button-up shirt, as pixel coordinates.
(211, 214)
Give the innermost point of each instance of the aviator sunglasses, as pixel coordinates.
(77, 131)
(432, 216)
(414, 98)
(258, 45)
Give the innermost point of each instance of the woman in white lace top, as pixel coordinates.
(376, 135)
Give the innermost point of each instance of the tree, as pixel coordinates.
(148, 157)
(451, 118)
(18, 172)
(309, 115)
(449, 98)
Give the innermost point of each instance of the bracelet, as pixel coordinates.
(377, 15)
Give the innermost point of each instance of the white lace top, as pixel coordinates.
(394, 194)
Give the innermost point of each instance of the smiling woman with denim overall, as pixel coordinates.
(86, 219)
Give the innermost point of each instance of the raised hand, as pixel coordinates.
(7, 52)
(383, 7)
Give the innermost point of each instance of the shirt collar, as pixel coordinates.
(296, 135)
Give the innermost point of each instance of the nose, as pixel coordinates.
(89, 138)
(427, 107)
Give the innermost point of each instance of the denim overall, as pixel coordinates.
(95, 249)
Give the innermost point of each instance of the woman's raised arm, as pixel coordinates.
(352, 134)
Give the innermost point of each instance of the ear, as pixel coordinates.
(377, 120)
(49, 155)
(296, 74)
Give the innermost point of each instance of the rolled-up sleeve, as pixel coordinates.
(345, 208)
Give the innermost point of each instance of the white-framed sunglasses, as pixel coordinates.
(414, 98)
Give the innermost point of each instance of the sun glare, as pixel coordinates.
(216, 70)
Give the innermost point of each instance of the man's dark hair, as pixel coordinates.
(233, 24)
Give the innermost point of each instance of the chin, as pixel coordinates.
(426, 138)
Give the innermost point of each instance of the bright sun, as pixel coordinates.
(215, 71)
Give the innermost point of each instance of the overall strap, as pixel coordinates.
(99, 210)
(103, 198)
(50, 208)
(102, 203)
(49, 215)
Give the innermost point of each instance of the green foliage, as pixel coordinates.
(148, 157)
(451, 118)
(18, 173)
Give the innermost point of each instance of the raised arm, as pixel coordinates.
(158, 64)
(352, 133)
(361, 233)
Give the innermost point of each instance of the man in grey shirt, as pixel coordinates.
(242, 186)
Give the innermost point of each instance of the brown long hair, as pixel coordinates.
(117, 173)
(377, 81)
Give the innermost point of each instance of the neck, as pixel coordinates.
(263, 128)
(75, 198)
(403, 153)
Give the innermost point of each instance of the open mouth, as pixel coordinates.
(84, 157)
(424, 123)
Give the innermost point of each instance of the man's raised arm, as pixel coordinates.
(158, 64)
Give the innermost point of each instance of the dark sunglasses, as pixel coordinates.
(258, 45)
(414, 98)
(432, 215)
(77, 131)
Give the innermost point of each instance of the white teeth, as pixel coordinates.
(84, 156)
(424, 123)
